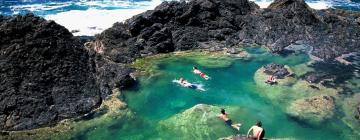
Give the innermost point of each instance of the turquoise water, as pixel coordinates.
(157, 98)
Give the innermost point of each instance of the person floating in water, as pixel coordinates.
(203, 75)
(185, 83)
(258, 132)
(224, 116)
(271, 80)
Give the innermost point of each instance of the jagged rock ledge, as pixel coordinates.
(47, 75)
(174, 26)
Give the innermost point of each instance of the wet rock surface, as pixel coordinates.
(277, 70)
(320, 78)
(329, 74)
(186, 25)
(357, 112)
(47, 75)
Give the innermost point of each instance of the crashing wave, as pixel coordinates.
(93, 17)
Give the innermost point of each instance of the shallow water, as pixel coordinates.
(156, 98)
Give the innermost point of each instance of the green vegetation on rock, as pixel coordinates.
(200, 122)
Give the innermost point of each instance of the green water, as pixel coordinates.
(157, 98)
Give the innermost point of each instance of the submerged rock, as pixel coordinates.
(277, 70)
(312, 110)
(320, 78)
(351, 109)
(200, 122)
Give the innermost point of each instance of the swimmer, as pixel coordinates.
(224, 116)
(203, 75)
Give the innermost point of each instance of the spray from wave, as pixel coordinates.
(90, 17)
(313, 4)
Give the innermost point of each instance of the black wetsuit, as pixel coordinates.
(229, 122)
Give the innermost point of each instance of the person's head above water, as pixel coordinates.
(195, 67)
(258, 123)
(223, 111)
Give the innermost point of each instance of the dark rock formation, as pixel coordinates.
(277, 70)
(329, 74)
(47, 75)
(357, 112)
(185, 25)
(174, 26)
(320, 77)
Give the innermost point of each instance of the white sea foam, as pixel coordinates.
(320, 5)
(196, 86)
(262, 3)
(312, 4)
(39, 7)
(92, 21)
(103, 14)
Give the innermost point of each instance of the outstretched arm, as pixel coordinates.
(258, 135)
(249, 131)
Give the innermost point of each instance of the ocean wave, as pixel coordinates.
(321, 4)
(90, 17)
(42, 9)
(313, 4)
(92, 21)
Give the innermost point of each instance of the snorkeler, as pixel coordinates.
(203, 75)
(258, 132)
(224, 116)
(185, 83)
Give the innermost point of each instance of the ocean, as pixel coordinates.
(90, 17)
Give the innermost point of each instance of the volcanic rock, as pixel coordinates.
(186, 25)
(277, 70)
(47, 75)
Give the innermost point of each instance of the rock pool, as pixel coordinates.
(165, 110)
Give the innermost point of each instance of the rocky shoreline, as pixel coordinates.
(49, 75)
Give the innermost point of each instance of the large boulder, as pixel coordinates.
(46, 74)
(185, 25)
(277, 70)
(173, 26)
(297, 10)
(313, 110)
